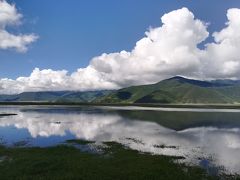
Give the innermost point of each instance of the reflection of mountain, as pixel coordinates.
(223, 144)
(183, 120)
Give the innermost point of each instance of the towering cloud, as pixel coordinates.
(165, 51)
(222, 57)
(9, 17)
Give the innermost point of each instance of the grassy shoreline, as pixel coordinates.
(68, 162)
(204, 106)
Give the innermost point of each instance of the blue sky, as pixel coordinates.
(53, 45)
(71, 32)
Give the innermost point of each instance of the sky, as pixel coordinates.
(91, 45)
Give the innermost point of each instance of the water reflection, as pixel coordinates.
(44, 126)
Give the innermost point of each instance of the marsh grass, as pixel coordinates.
(67, 162)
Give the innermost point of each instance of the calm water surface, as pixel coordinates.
(207, 137)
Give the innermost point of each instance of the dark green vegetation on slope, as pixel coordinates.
(115, 162)
(55, 96)
(178, 90)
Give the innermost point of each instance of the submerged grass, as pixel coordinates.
(7, 114)
(79, 141)
(67, 162)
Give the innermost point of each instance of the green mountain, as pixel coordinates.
(55, 96)
(178, 90)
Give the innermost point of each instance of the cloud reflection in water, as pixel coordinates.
(222, 145)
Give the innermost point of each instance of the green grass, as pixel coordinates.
(67, 162)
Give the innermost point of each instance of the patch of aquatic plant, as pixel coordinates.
(2, 142)
(20, 143)
(7, 114)
(164, 146)
(135, 140)
(79, 141)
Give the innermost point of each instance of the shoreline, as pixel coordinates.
(202, 106)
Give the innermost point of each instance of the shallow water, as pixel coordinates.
(210, 138)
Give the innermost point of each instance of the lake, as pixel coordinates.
(206, 137)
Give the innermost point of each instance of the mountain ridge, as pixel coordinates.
(178, 90)
(55, 96)
(175, 90)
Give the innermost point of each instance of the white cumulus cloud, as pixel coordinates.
(9, 17)
(223, 56)
(165, 51)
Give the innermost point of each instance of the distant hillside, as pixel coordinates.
(55, 96)
(178, 90)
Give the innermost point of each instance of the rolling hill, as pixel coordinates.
(178, 90)
(55, 96)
